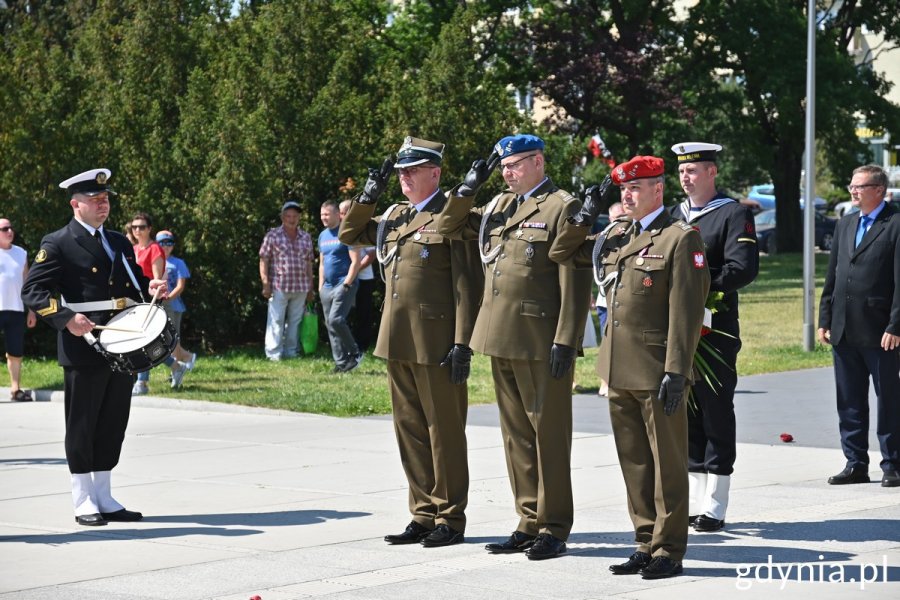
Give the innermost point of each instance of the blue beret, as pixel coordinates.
(515, 144)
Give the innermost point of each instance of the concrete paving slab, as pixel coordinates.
(243, 501)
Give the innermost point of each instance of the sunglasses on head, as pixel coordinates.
(5, 229)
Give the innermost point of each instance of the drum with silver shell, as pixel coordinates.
(138, 338)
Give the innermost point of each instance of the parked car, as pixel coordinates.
(846, 207)
(764, 196)
(765, 231)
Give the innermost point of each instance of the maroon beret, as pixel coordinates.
(639, 167)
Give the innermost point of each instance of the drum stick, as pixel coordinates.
(150, 308)
(110, 328)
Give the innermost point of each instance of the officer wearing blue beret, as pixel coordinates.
(531, 324)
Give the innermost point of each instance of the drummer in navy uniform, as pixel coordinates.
(82, 275)
(653, 272)
(531, 324)
(729, 235)
(433, 288)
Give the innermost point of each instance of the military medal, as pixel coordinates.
(424, 253)
(529, 252)
(647, 281)
(639, 261)
(418, 236)
(519, 233)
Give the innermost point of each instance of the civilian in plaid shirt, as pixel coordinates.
(285, 268)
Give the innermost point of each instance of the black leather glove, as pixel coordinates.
(561, 360)
(595, 197)
(478, 174)
(377, 182)
(460, 360)
(671, 392)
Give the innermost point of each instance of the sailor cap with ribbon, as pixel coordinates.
(416, 151)
(696, 151)
(89, 183)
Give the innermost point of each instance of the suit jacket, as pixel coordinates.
(529, 301)
(655, 305)
(73, 264)
(432, 285)
(861, 297)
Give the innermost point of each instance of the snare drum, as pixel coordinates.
(145, 345)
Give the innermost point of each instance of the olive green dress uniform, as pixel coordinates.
(529, 304)
(655, 314)
(432, 290)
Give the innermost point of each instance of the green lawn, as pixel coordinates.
(771, 326)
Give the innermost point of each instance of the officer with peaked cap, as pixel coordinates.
(432, 289)
(729, 236)
(531, 324)
(653, 272)
(82, 275)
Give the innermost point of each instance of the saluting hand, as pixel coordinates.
(595, 197)
(478, 174)
(671, 392)
(377, 182)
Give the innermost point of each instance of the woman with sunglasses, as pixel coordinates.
(152, 260)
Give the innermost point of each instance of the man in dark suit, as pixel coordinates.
(431, 298)
(859, 315)
(81, 276)
(531, 324)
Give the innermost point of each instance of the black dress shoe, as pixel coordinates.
(413, 534)
(850, 475)
(94, 520)
(706, 523)
(891, 479)
(443, 535)
(692, 518)
(661, 567)
(123, 516)
(633, 565)
(517, 542)
(545, 546)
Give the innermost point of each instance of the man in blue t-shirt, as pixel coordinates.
(338, 268)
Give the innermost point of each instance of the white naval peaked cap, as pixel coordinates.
(89, 183)
(696, 151)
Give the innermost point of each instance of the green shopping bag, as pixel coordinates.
(309, 329)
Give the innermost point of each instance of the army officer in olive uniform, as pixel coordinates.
(81, 276)
(653, 271)
(531, 324)
(432, 291)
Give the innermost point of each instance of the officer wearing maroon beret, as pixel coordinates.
(653, 272)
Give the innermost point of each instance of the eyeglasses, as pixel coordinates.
(139, 227)
(516, 163)
(166, 243)
(858, 188)
(6, 229)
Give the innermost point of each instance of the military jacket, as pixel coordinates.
(432, 284)
(729, 237)
(74, 265)
(656, 287)
(529, 301)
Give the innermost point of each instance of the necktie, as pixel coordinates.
(863, 226)
(97, 237)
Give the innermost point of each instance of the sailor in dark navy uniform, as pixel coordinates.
(729, 237)
(82, 275)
